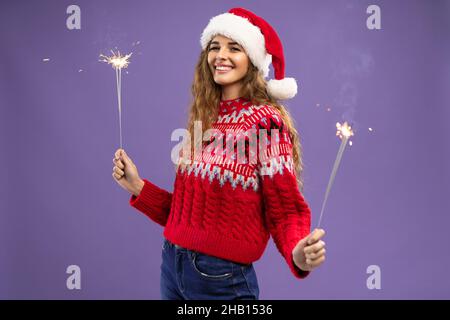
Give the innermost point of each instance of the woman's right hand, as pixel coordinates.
(126, 174)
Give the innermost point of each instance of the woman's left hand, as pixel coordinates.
(309, 253)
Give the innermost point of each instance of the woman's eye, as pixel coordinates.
(214, 48)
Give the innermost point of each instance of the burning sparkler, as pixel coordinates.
(344, 132)
(118, 62)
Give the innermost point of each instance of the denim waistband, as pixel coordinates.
(170, 244)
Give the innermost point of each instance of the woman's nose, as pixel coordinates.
(222, 54)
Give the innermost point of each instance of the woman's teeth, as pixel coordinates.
(223, 69)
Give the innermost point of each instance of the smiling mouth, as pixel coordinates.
(222, 70)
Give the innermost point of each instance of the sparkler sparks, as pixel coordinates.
(118, 62)
(344, 132)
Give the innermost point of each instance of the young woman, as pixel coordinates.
(226, 205)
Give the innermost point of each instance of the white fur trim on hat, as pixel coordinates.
(243, 32)
(282, 89)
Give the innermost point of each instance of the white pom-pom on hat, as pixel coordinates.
(282, 89)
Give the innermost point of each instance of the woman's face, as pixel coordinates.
(224, 53)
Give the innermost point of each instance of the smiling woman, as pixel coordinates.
(223, 211)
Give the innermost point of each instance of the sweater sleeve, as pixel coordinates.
(154, 202)
(287, 214)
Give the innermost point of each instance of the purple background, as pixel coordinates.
(389, 205)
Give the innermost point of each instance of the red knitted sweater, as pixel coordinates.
(229, 209)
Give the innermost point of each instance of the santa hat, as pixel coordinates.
(260, 41)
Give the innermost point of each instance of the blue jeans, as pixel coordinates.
(187, 275)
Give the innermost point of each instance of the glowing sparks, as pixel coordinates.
(328, 109)
(46, 59)
(370, 129)
(350, 143)
(117, 61)
(344, 130)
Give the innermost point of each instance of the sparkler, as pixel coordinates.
(344, 132)
(118, 62)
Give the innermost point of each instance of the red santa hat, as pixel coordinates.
(261, 43)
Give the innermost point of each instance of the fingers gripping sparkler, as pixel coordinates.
(118, 62)
(344, 132)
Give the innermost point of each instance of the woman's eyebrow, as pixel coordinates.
(230, 43)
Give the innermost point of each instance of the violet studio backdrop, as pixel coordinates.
(59, 129)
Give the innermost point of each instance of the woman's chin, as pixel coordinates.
(223, 81)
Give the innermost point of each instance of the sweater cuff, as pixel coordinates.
(152, 201)
(148, 194)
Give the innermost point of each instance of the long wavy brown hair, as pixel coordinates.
(206, 95)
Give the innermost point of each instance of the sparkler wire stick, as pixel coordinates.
(118, 62)
(119, 100)
(344, 132)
